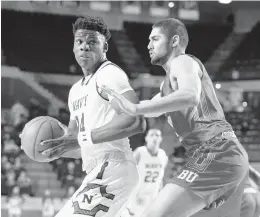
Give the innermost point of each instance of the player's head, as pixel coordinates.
(153, 139)
(90, 41)
(16, 191)
(167, 37)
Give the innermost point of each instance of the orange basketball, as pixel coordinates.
(37, 130)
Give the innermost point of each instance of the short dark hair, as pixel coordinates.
(174, 27)
(92, 23)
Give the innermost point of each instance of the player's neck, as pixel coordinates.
(153, 153)
(167, 65)
(91, 71)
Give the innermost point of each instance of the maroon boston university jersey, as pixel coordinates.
(202, 122)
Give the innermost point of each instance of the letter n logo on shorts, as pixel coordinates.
(200, 160)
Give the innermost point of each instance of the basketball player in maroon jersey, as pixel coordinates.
(218, 164)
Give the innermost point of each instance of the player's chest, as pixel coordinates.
(169, 85)
(152, 163)
(86, 98)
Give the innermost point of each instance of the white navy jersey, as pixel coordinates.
(91, 110)
(151, 168)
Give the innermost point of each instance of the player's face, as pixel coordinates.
(89, 48)
(159, 46)
(153, 140)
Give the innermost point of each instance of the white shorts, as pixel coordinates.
(15, 212)
(104, 191)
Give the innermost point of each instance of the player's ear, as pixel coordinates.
(105, 47)
(175, 40)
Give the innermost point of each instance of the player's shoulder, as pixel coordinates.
(187, 62)
(140, 149)
(75, 86)
(112, 70)
(162, 152)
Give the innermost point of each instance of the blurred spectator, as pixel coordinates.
(15, 203)
(18, 113)
(10, 181)
(47, 208)
(6, 166)
(18, 168)
(60, 167)
(68, 179)
(78, 168)
(20, 125)
(71, 190)
(244, 127)
(4, 160)
(8, 128)
(25, 184)
(10, 148)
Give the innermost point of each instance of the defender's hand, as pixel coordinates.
(125, 105)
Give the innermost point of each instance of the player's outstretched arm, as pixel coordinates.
(187, 74)
(153, 115)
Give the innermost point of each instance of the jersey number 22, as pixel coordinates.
(151, 176)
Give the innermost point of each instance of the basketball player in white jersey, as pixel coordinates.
(151, 161)
(96, 132)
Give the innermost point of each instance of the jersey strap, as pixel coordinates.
(108, 63)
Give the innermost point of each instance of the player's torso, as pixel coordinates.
(89, 108)
(151, 169)
(91, 111)
(15, 202)
(199, 123)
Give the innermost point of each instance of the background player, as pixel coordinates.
(151, 161)
(96, 132)
(191, 105)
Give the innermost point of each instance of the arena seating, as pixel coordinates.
(213, 35)
(46, 46)
(61, 91)
(247, 128)
(16, 90)
(245, 58)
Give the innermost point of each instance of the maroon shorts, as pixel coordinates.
(215, 170)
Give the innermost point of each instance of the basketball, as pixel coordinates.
(37, 130)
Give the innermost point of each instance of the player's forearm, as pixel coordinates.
(120, 127)
(175, 101)
(151, 115)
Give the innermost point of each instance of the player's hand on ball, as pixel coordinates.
(124, 104)
(60, 145)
